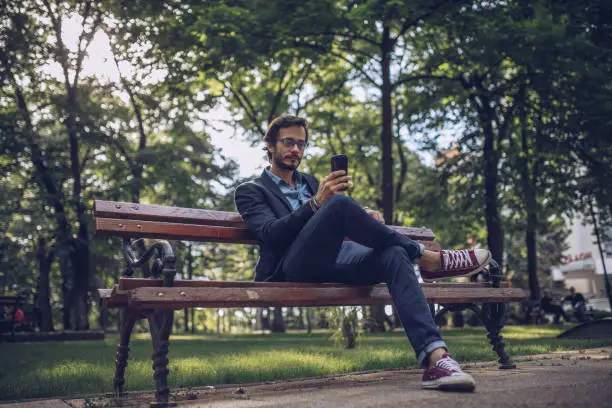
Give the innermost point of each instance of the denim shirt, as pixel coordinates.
(296, 196)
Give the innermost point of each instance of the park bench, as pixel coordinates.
(7, 317)
(157, 295)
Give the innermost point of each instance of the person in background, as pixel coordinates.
(548, 305)
(578, 304)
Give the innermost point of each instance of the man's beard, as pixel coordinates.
(278, 160)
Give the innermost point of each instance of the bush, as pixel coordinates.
(458, 320)
(473, 319)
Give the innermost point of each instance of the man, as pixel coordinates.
(548, 305)
(301, 224)
(578, 304)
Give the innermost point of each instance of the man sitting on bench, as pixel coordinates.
(301, 225)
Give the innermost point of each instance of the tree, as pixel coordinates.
(50, 118)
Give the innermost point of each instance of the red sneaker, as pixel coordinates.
(459, 262)
(447, 375)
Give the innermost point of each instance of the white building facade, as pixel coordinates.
(582, 267)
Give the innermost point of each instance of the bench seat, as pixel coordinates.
(148, 294)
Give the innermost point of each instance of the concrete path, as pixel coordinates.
(567, 379)
(542, 383)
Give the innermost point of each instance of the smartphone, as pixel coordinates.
(339, 162)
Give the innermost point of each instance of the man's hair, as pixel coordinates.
(281, 122)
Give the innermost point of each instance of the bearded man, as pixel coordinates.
(301, 225)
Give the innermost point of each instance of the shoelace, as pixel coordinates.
(457, 259)
(449, 364)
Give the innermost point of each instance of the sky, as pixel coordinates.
(250, 159)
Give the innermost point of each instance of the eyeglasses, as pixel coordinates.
(288, 142)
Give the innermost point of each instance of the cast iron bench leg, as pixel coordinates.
(495, 317)
(492, 315)
(160, 324)
(127, 321)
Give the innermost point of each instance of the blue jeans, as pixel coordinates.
(378, 254)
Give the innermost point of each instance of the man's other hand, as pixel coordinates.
(335, 183)
(376, 214)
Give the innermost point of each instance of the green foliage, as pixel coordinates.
(521, 88)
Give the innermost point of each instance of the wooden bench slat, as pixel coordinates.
(154, 221)
(178, 298)
(191, 232)
(151, 212)
(133, 283)
(191, 216)
(165, 230)
(113, 298)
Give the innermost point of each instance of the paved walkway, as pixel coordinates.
(566, 379)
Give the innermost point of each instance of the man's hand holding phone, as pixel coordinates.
(336, 182)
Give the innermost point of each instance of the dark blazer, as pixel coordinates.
(272, 220)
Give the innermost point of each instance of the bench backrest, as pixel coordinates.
(136, 220)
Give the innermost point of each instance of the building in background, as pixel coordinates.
(582, 267)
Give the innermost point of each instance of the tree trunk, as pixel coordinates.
(495, 234)
(82, 276)
(387, 126)
(258, 319)
(43, 300)
(377, 319)
(81, 259)
(300, 322)
(531, 205)
(278, 324)
(54, 195)
(67, 294)
(309, 320)
(323, 323)
(403, 170)
(349, 332)
(265, 319)
(397, 322)
(189, 277)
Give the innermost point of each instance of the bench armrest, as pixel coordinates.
(163, 261)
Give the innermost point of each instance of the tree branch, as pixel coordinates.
(88, 39)
(403, 169)
(246, 104)
(429, 13)
(62, 53)
(403, 80)
(342, 35)
(279, 95)
(340, 56)
(86, 157)
(329, 92)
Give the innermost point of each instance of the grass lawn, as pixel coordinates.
(33, 370)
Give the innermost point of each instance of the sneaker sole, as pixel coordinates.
(450, 274)
(450, 383)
